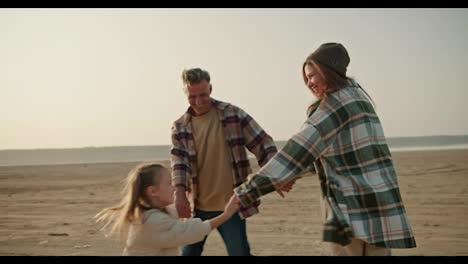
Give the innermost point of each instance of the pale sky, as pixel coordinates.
(111, 77)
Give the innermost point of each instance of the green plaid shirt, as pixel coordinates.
(344, 141)
(240, 130)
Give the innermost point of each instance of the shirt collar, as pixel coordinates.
(220, 106)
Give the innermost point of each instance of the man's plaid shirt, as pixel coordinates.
(344, 140)
(240, 130)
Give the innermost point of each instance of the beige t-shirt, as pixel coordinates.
(215, 185)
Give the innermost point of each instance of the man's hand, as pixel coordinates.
(181, 203)
(286, 188)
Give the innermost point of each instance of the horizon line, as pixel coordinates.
(129, 146)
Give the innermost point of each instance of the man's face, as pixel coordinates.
(199, 97)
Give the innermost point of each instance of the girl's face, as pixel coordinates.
(163, 193)
(315, 81)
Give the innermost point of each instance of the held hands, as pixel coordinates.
(182, 204)
(286, 188)
(233, 205)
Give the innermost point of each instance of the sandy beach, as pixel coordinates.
(48, 210)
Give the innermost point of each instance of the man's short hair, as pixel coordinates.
(194, 76)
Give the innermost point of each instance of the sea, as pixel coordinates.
(86, 155)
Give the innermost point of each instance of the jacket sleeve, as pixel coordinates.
(298, 153)
(167, 232)
(179, 159)
(258, 142)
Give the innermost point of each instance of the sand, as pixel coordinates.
(48, 210)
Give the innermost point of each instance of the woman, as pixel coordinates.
(344, 140)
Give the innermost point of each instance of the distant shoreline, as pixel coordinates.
(429, 148)
(92, 155)
(393, 142)
(167, 160)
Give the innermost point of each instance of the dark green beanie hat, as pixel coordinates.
(333, 56)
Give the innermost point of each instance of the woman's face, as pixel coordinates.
(315, 81)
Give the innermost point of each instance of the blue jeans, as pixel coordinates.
(233, 233)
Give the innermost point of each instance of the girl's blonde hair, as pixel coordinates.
(133, 203)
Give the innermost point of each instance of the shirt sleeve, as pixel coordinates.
(179, 159)
(167, 232)
(258, 142)
(298, 153)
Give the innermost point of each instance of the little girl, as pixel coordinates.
(144, 220)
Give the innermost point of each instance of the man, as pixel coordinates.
(208, 160)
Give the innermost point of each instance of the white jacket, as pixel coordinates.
(162, 234)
